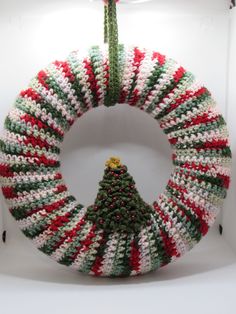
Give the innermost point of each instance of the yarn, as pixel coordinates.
(51, 217)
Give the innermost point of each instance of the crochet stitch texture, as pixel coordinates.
(38, 197)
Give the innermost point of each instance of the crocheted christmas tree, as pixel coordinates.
(118, 205)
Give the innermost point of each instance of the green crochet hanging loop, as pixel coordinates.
(111, 37)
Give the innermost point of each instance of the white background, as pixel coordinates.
(229, 214)
(197, 34)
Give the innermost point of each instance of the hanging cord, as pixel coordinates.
(111, 37)
(105, 24)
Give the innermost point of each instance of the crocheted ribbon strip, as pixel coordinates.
(111, 37)
(38, 197)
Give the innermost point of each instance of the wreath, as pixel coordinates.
(120, 234)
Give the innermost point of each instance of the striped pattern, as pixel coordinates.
(38, 197)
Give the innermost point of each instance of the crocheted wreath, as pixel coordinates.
(120, 235)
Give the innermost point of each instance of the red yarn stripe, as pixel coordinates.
(205, 168)
(213, 144)
(179, 74)
(96, 268)
(8, 192)
(40, 159)
(69, 235)
(94, 87)
(58, 176)
(197, 210)
(32, 94)
(161, 58)
(135, 257)
(201, 119)
(48, 208)
(138, 57)
(58, 222)
(61, 188)
(36, 141)
(226, 180)
(42, 77)
(5, 171)
(188, 94)
(122, 98)
(200, 167)
(169, 242)
(174, 156)
(34, 121)
(65, 67)
(179, 209)
(84, 244)
(173, 140)
(176, 77)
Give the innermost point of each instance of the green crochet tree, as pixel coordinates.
(118, 205)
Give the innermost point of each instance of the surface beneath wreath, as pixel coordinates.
(203, 281)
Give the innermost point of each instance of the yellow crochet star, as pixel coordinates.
(113, 162)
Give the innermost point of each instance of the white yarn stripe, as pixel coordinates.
(109, 254)
(207, 136)
(28, 177)
(51, 98)
(14, 159)
(212, 112)
(181, 237)
(120, 250)
(100, 72)
(40, 240)
(41, 114)
(145, 70)
(171, 120)
(176, 92)
(76, 61)
(33, 196)
(16, 138)
(84, 255)
(128, 72)
(190, 186)
(34, 219)
(65, 86)
(61, 250)
(163, 80)
(145, 254)
(29, 148)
